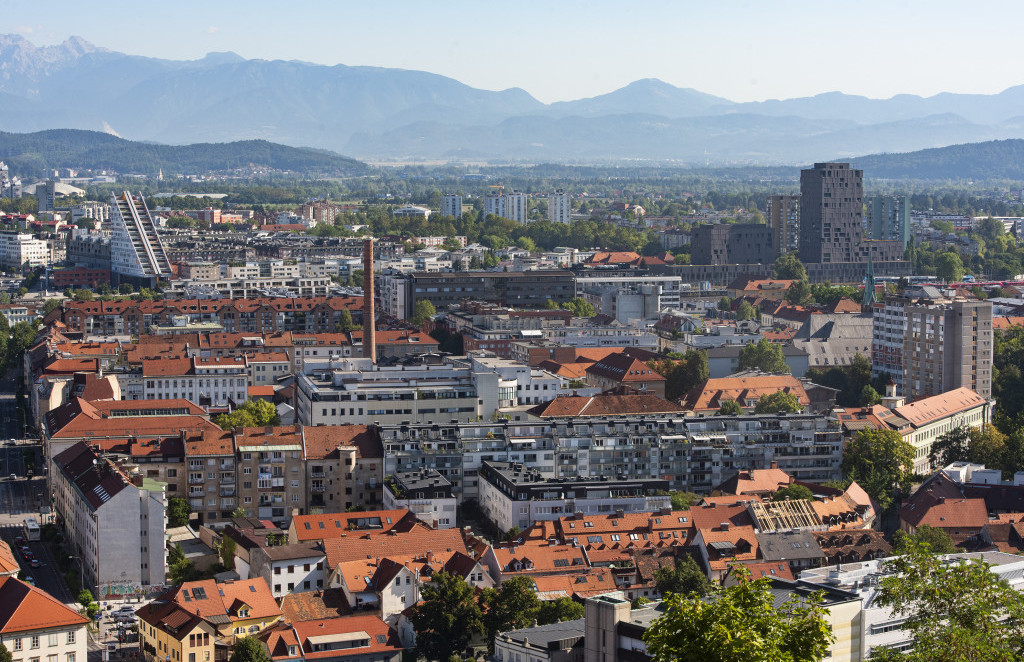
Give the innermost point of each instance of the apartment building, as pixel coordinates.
(519, 289)
(272, 465)
(35, 626)
(784, 221)
(632, 436)
(424, 389)
(425, 493)
(930, 343)
(213, 476)
(113, 523)
(890, 217)
(559, 207)
(288, 569)
(22, 251)
(451, 205)
(513, 496)
(669, 288)
(239, 315)
(513, 206)
(213, 382)
(137, 254)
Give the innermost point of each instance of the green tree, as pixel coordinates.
(730, 408)
(422, 311)
(869, 396)
(938, 540)
(178, 510)
(725, 304)
(345, 323)
(84, 597)
(793, 492)
(446, 618)
(558, 611)
(788, 267)
(248, 649)
(50, 306)
(239, 513)
(987, 446)
(5, 655)
(526, 244)
(799, 293)
(684, 578)
(580, 307)
(882, 462)
(511, 606)
(740, 623)
(683, 373)
(746, 311)
(684, 500)
(778, 403)
(949, 267)
(253, 413)
(764, 355)
(953, 611)
(227, 552)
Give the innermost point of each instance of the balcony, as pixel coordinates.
(317, 474)
(317, 489)
(196, 481)
(227, 493)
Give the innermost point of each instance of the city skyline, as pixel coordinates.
(747, 52)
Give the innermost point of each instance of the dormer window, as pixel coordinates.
(243, 612)
(293, 651)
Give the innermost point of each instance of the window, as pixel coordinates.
(191, 657)
(35, 641)
(71, 637)
(17, 644)
(70, 657)
(52, 639)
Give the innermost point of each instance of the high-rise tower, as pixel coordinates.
(369, 323)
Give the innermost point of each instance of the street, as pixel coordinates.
(22, 498)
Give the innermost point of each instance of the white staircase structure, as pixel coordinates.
(135, 247)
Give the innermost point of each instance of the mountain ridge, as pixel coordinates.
(383, 113)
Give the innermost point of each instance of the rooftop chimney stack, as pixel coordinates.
(369, 330)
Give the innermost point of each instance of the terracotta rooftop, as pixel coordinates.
(710, 395)
(380, 637)
(24, 608)
(335, 525)
(604, 405)
(624, 369)
(8, 564)
(755, 481)
(310, 606)
(208, 598)
(417, 540)
(924, 411)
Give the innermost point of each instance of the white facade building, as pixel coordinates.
(114, 527)
(18, 250)
(213, 382)
(38, 627)
(136, 251)
(559, 207)
(296, 568)
(451, 205)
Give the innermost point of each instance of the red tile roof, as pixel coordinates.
(24, 608)
(380, 637)
(8, 564)
(710, 395)
(624, 369)
(208, 598)
(604, 405)
(924, 411)
(335, 525)
(417, 540)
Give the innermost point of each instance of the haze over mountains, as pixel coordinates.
(377, 113)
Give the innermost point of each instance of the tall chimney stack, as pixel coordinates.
(369, 328)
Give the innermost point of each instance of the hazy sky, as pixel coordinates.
(742, 50)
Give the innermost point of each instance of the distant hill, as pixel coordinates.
(382, 113)
(996, 159)
(34, 153)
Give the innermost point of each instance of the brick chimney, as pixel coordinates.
(369, 329)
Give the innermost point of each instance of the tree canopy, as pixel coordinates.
(938, 540)
(730, 408)
(764, 355)
(446, 618)
(740, 623)
(789, 267)
(779, 402)
(254, 413)
(953, 611)
(422, 311)
(683, 372)
(882, 462)
(248, 649)
(685, 578)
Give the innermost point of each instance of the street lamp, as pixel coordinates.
(81, 568)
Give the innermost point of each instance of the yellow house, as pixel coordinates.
(188, 623)
(168, 632)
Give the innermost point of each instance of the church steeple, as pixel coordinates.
(869, 286)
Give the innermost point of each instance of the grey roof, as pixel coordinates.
(424, 478)
(546, 635)
(733, 351)
(825, 326)
(789, 546)
(302, 550)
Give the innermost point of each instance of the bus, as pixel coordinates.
(31, 527)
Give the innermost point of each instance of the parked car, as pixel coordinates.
(35, 563)
(125, 610)
(19, 541)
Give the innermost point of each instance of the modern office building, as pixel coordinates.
(930, 343)
(451, 205)
(740, 243)
(890, 217)
(831, 218)
(18, 251)
(784, 220)
(47, 194)
(559, 207)
(137, 254)
(519, 289)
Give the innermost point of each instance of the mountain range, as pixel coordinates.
(376, 113)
